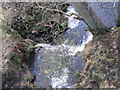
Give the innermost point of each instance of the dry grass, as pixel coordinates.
(101, 56)
(41, 22)
(15, 67)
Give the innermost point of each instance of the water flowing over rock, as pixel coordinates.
(55, 65)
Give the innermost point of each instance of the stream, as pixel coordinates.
(56, 65)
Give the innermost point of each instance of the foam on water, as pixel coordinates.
(67, 52)
(72, 23)
(60, 82)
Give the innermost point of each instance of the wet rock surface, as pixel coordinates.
(107, 12)
(56, 66)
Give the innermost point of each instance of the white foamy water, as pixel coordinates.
(72, 23)
(60, 82)
(64, 57)
(68, 49)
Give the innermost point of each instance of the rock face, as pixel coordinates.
(98, 16)
(108, 12)
(77, 36)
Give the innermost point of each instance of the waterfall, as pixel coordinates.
(55, 65)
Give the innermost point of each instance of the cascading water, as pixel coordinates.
(55, 65)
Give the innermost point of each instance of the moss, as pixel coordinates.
(15, 59)
(117, 29)
(118, 21)
(96, 78)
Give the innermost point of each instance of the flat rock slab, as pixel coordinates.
(55, 66)
(107, 12)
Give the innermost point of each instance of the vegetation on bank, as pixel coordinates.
(16, 59)
(22, 30)
(101, 56)
(41, 22)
